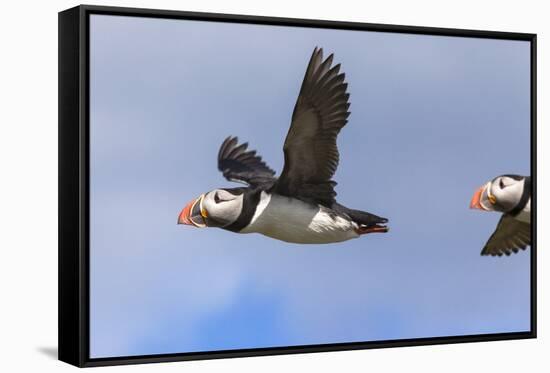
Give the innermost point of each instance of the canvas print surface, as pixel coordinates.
(201, 243)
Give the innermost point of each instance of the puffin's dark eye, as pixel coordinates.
(501, 184)
(217, 198)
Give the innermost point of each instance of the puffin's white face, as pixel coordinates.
(217, 208)
(501, 194)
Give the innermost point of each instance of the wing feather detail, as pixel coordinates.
(241, 165)
(310, 149)
(510, 236)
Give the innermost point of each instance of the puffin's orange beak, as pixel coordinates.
(192, 215)
(475, 203)
(183, 218)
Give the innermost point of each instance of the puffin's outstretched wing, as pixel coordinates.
(511, 235)
(238, 164)
(311, 154)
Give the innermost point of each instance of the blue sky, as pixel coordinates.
(433, 118)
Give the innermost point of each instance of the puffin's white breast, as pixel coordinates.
(289, 219)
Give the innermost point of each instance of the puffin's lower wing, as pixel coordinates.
(510, 236)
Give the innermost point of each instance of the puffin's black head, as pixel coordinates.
(217, 208)
(502, 194)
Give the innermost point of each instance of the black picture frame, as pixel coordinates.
(74, 184)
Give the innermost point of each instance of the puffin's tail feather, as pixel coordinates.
(361, 217)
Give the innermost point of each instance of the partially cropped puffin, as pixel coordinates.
(299, 206)
(510, 195)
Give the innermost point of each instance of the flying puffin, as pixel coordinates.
(299, 206)
(511, 195)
